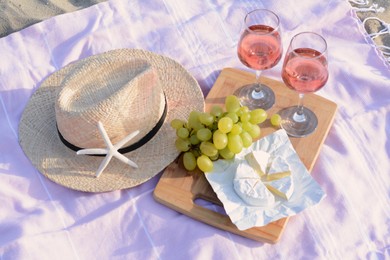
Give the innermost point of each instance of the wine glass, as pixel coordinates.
(305, 70)
(259, 48)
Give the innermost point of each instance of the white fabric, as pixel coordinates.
(42, 220)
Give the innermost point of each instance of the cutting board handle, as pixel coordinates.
(189, 187)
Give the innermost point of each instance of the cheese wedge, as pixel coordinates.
(249, 187)
(283, 187)
(258, 160)
(278, 169)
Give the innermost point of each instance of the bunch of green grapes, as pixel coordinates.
(208, 136)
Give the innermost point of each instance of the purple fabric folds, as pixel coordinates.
(42, 220)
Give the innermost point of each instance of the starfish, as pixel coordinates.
(111, 150)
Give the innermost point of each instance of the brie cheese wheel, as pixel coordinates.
(258, 160)
(283, 187)
(278, 169)
(249, 187)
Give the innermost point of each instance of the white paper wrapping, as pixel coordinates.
(306, 190)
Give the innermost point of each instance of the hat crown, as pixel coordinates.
(125, 95)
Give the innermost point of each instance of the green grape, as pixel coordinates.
(208, 149)
(204, 134)
(220, 139)
(189, 161)
(246, 126)
(276, 120)
(226, 153)
(254, 131)
(258, 116)
(245, 117)
(204, 163)
(194, 140)
(177, 123)
(236, 129)
(196, 152)
(242, 110)
(182, 145)
(182, 132)
(235, 143)
(232, 104)
(233, 116)
(206, 118)
(213, 127)
(216, 111)
(225, 124)
(193, 120)
(214, 158)
(209, 136)
(246, 139)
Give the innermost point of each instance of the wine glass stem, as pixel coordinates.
(258, 84)
(299, 115)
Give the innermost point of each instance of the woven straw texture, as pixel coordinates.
(113, 90)
(40, 141)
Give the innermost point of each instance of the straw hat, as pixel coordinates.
(125, 97)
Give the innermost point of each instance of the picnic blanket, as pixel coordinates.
(42, 220)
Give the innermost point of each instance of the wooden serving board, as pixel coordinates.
(178, 189)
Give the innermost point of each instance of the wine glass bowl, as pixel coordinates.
(305, 70)
(259, 48)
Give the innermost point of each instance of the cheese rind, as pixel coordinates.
(283, 187)
(278, 179)
(278, 169)
(249, 187)
(258, 160)
(277, 175)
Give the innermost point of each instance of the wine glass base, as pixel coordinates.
(265, 98)
(298, 125)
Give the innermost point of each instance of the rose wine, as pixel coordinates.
(260, 47)
(305, 70)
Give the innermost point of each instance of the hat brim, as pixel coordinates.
(39, 138)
